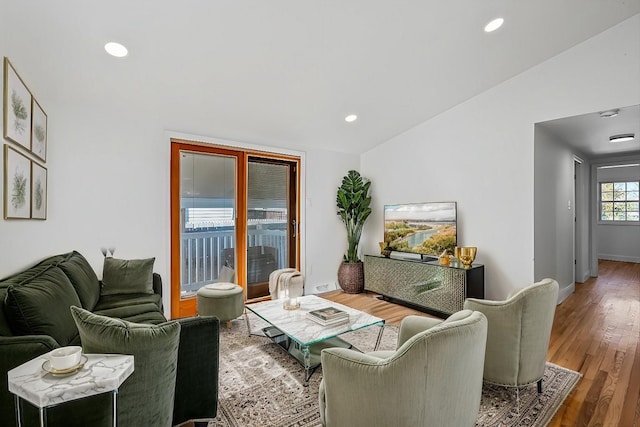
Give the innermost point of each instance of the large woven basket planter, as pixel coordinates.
(351, 277)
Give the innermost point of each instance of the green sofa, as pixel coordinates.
(35, 317)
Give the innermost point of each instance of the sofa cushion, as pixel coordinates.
(52, 260)
(107, 302)
(146, 398)
(121, 276)
(15, 279)
(82, 277)
(5, 330)
(137, 311)
(40, 306)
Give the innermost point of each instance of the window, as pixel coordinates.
(619, 201)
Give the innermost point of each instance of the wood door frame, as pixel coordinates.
(293, 206)
(293, 196)
(187, 307)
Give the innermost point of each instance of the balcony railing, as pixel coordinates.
(203, 254)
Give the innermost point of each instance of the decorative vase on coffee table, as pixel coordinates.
(351, 277)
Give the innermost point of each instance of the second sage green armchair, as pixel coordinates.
(434, 378)
(518, 334)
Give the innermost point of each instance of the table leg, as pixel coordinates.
(379, 338)
(43, 417)
(115, 408)
(246, 319)
(18, 411)
(306, 356)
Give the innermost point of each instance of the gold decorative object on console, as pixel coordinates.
(444, 259)
(466, 255)
(384, 249)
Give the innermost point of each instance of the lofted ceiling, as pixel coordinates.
(286, 72)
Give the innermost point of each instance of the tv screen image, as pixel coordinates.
(422, 228)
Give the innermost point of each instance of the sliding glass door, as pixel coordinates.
(271, 220)
(230, 208)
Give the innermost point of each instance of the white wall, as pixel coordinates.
(109, 186)
(554, 210)
(481, 153)
(327, 237)
(108, 180)
(618, 242)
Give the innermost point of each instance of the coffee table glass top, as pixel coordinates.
(295, 324)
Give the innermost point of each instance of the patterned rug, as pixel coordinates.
(261, 385)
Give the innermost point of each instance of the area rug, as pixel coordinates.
(261, 385)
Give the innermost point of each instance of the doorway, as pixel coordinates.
(233, 209)
(577, 221)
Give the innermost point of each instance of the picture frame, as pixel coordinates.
(38, 130)
(38, 191)
(17, 108)
(17, 184)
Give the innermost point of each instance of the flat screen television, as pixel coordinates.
(421, 228)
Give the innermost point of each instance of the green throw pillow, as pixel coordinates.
(40, 306)
(122, 276)
(146, 397)
(82, 277)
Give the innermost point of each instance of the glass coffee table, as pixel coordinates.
(303, 338)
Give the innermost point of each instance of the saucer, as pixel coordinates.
(46, 366)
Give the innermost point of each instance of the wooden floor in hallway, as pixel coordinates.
(596, 331)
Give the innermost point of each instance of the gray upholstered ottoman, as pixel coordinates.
(222, 300)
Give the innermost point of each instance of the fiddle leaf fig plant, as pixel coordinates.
(353, 202)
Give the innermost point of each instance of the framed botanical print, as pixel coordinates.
(38, 131)
(17, 184)
(38, 191)
(17, 108)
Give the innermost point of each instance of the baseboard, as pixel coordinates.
(322, 288)
(624, 258)
(584, 277)
(564, 292)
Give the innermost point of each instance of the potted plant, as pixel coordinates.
(353, 202)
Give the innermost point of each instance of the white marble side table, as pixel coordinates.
(102, 373)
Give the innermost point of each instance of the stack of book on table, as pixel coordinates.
(328, 316)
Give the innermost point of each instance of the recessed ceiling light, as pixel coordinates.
(494, 25)
(609, 113)
(116, 49)
(622, 137)
(351, 118)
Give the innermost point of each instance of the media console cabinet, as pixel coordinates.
(425, 286)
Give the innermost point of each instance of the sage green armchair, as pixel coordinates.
(518, 334)
(434, 378)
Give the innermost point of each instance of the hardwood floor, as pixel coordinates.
(596, 331)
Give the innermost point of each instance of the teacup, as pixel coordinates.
(65, 357)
